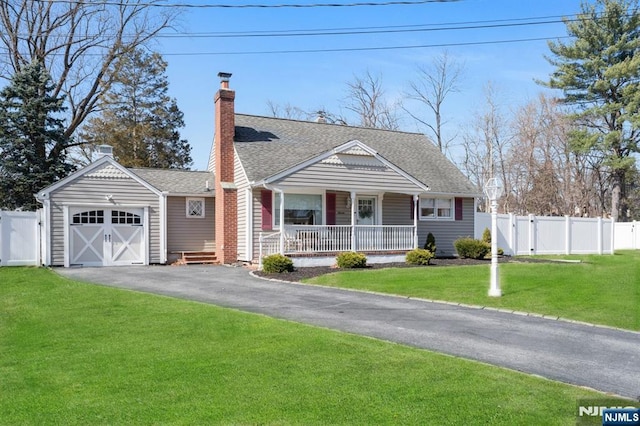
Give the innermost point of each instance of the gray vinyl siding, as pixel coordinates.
(333, 176)
(186, 233)
(241, 184)
(396, 209)
(91, 192)
(343, 213)
(446, 232)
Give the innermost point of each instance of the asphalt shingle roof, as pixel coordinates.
(267, 146)
(173, 181)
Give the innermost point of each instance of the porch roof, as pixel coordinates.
(268, 146)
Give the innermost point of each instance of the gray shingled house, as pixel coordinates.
(304, 189)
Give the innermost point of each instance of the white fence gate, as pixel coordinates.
(627, 236)
(520, 235)
(20, 238)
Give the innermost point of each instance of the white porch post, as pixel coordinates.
(281, 192)
(416, 199)
(260, 239)
(354, 209)
(379, 218)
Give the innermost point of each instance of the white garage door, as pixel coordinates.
(106, 237)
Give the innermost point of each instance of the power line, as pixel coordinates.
(260, 32)
(304, 33)
(362, 49)
(267, 6)
(451, 26)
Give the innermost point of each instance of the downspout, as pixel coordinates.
(163, 228)
(43, 237)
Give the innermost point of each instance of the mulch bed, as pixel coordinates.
(310, 272)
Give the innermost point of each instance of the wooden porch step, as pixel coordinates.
(190, 257)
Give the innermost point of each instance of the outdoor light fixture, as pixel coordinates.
(493, 190)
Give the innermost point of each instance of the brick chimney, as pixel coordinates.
(226, 195)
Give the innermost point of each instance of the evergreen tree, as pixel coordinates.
(599, 73)
(139, 119)
(32, 140)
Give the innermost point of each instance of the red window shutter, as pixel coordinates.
(331, 208)
(413, 208)
(458, 202)
(267, 210)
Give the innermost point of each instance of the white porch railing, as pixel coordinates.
(306, 239)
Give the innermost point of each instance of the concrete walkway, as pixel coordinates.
(600, 358)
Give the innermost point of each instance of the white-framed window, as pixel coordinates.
(195, 207)
(436, 208)
(299, 209)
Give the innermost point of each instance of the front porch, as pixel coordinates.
(303, 241)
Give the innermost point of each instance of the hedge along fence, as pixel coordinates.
(519, 235)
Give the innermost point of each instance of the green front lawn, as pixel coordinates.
(74, 353)
(601, 289)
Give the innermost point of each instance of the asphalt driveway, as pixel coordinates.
(597, 357)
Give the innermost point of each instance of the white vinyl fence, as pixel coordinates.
(520, 235)
(19, 238)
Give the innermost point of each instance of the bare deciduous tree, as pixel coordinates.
(431, 88)
(286, 111)
(78, 42)
(486, 145)
(365, 97)
(546, 174)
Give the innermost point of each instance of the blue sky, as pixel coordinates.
(318, 80)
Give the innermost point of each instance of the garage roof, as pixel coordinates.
(178, 182)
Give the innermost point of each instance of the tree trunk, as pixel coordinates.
(616, 192)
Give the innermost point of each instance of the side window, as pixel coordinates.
(195, 207)
(436, 208)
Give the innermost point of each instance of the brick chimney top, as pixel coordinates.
(224, 79)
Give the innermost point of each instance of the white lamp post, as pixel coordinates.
(492, 189)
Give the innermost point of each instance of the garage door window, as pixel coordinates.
(125, 218)
(93, 216)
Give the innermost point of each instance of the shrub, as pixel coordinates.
(470, 248)
(430, 244)
(276, 263)
(486, 236)
(351, 259)
(419, 257)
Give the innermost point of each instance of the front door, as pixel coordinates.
(366, 212)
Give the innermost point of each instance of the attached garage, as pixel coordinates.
(103, 215)
(107, 237)
(108, 215)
